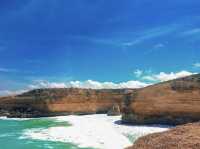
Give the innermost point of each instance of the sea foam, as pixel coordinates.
(14, 119)
(96, 131)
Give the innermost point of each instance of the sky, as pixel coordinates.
(97, 43)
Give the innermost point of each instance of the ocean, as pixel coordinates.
(97, 131)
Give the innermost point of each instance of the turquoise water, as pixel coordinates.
(11, 131)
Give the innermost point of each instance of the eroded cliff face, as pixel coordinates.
(172, 102)
(181, 137)
(51, 102)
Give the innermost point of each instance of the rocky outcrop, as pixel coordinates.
(114, 111)
(173, 102)
(181, 137)
(52, 102)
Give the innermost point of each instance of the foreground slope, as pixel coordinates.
(181, 137)
(51, 102)
(172, 102)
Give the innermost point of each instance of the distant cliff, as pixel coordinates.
(172, 102)
(52, 102)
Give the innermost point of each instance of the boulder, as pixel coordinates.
(114, 111)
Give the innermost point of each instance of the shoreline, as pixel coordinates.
(96, 131)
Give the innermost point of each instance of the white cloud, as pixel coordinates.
(196, 65)
(149, 78)
(145, 35)
(11, 92)
(162, 76)
(89, 84)
(138, 73)
(46, 84)
(107, 85)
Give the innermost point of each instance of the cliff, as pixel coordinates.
(52, 102)
(181, 137)
(173, 102)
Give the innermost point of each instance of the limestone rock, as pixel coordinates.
(181, 137)
(173, 102)
(63, 101)
(114, 111)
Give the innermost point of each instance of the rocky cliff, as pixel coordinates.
(181, 137)
(51, 102)
(172, 102)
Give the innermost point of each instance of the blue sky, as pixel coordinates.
(101, 40)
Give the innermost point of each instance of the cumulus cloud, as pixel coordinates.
(138, 73)
(196, 65)
(107, 85)
(89, 84)
(46, 84)
(162, 76)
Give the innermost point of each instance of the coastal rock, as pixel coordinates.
(181, 137)
(114, 111)
(173, 102)
(53, 102)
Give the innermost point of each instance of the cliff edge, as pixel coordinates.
(173, 102)
(53, 102)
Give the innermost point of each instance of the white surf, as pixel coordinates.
(96, 131)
